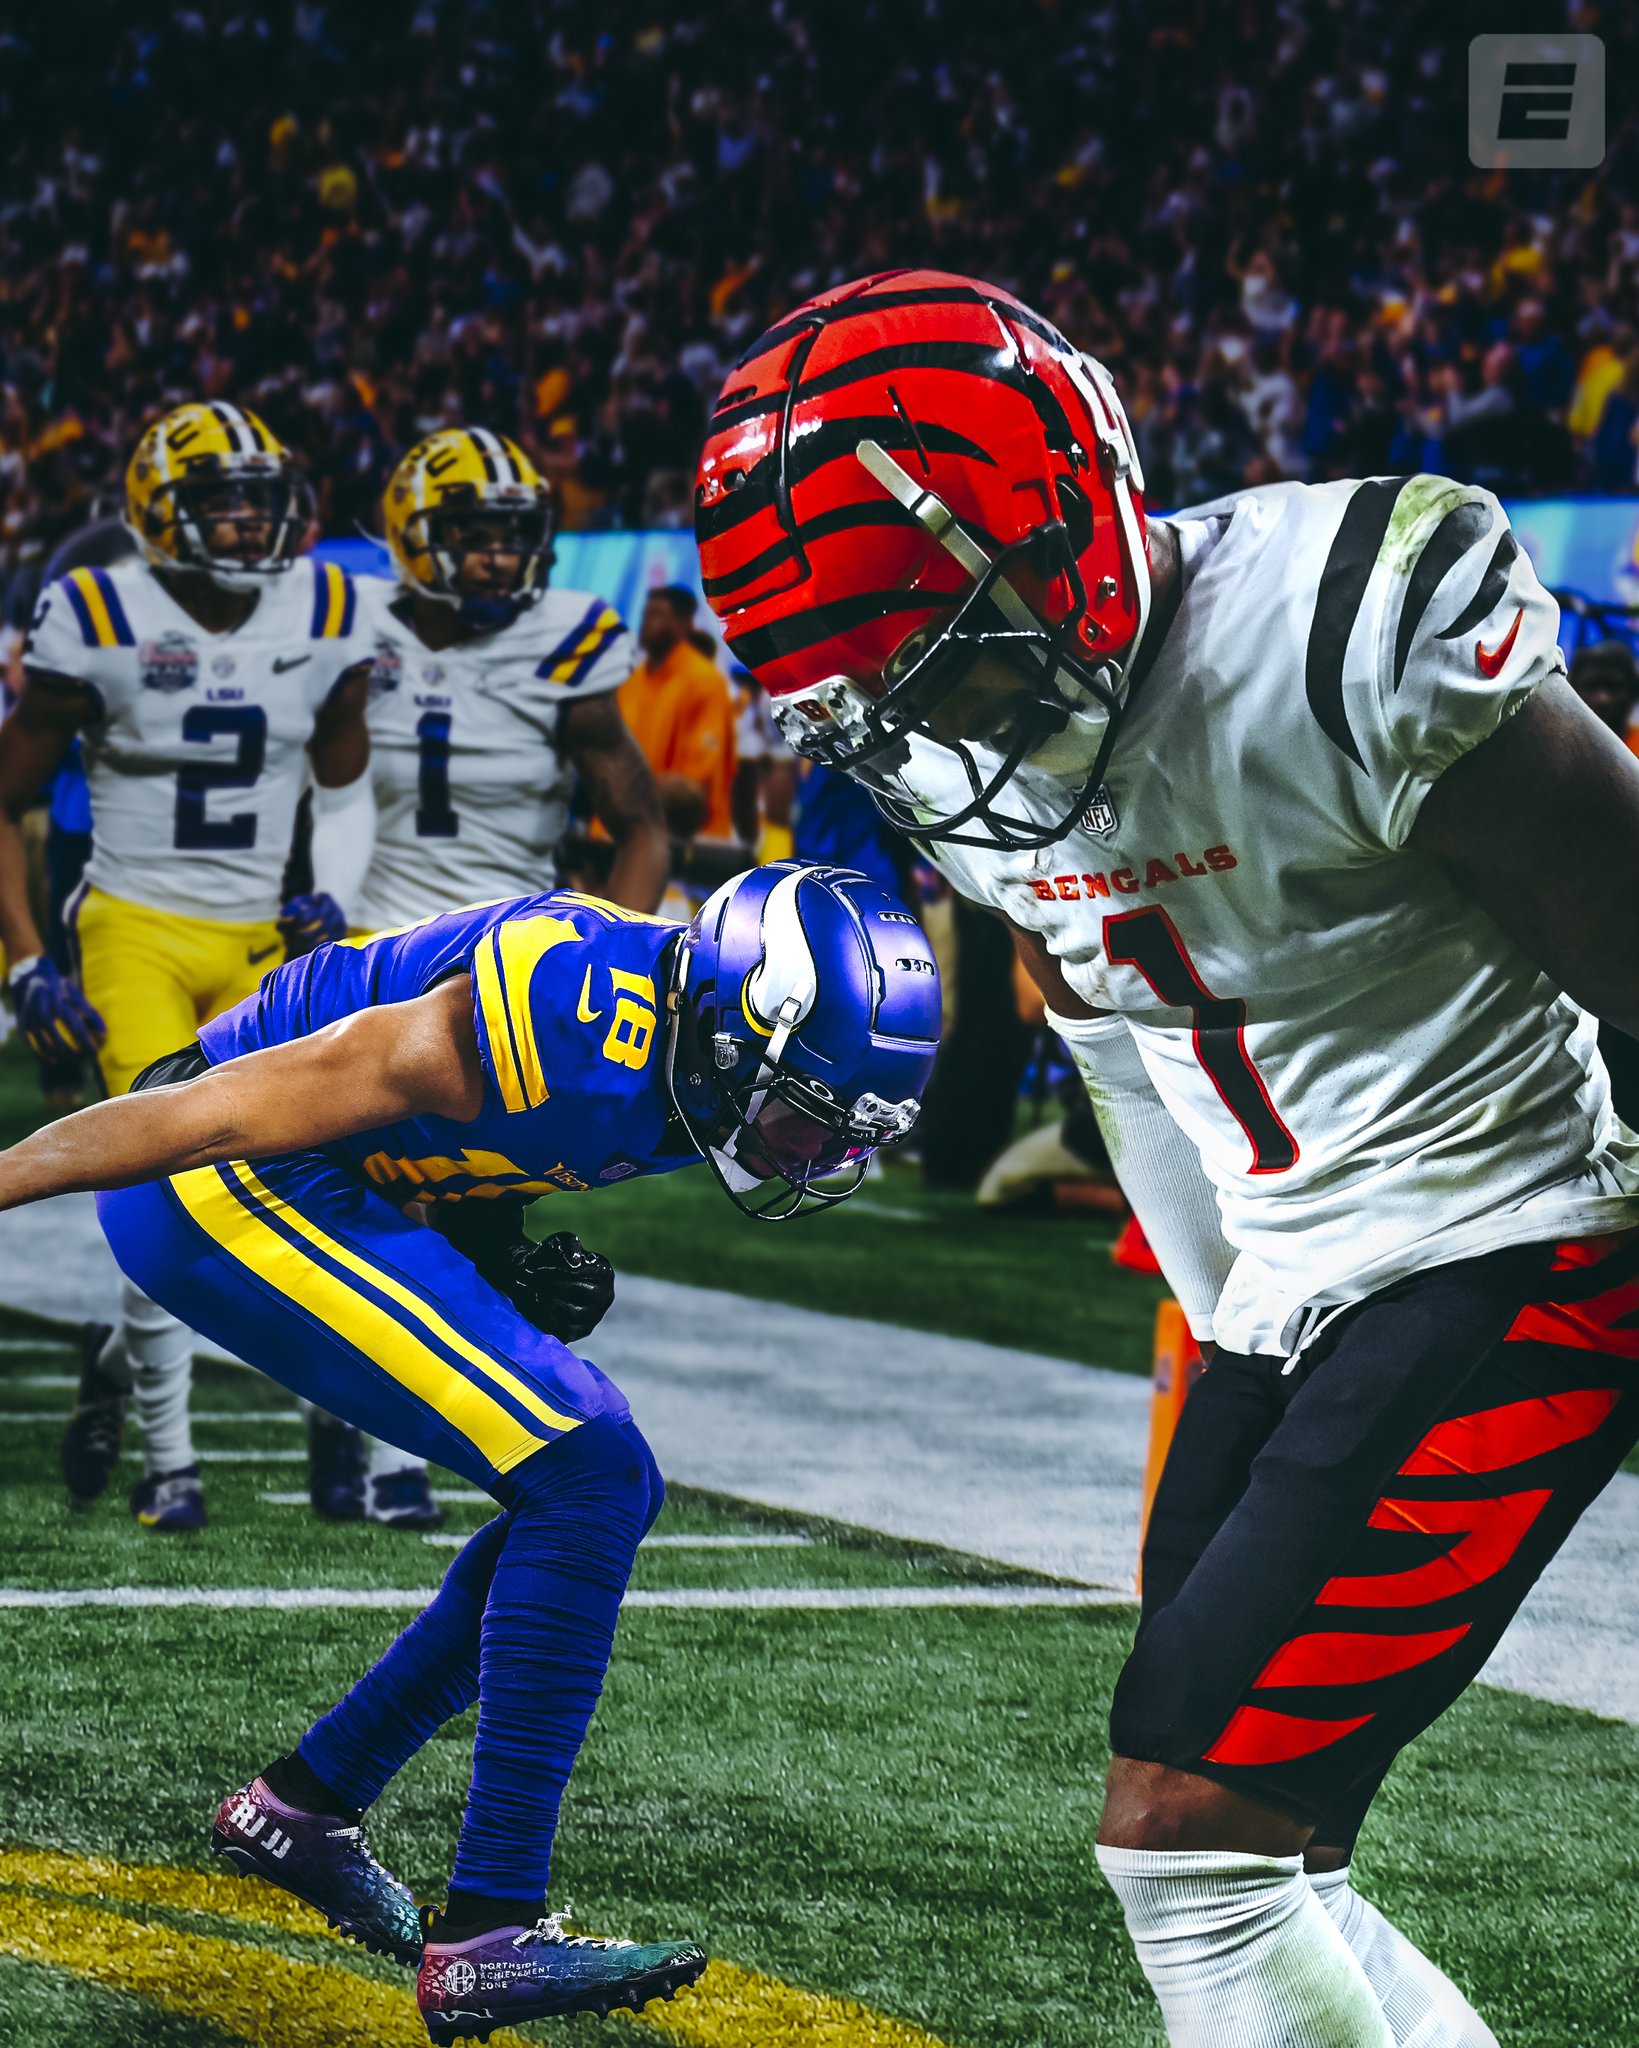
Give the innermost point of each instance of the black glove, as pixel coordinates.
(559, 1286)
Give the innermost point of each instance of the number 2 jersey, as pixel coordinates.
(471, 787)
(568, 998)
(197, 756)
(1377, 1077)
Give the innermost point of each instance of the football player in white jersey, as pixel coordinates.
(492, 692)
(205, 680)
(1321, 868)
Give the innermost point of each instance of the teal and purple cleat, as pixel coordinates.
(470, 1986)
(324, 1860)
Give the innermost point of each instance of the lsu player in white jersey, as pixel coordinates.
(1325, 875)
(205, 679)
(492, 693)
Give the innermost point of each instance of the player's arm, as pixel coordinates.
(340, 746)
(624, 798)
(1159, 1169)
(418, 1058)
(33, 741)
(53, 1015)
(1540, 825)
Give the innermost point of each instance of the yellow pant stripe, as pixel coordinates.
(86, 584)
(371, 1329)
(413, 1304)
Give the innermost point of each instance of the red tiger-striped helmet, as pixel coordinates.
(921, 525)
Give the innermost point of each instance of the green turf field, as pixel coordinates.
(893, 1805)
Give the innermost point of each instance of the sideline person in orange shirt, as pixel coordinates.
(677, 705)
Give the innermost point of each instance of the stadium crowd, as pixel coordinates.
(563, 220)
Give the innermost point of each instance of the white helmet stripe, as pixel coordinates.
(237, 426)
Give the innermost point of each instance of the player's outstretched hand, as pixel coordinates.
(559, 1285)
(309, 922)
(54, 1017)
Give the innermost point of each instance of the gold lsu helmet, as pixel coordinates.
(206, 468)
(461, 491)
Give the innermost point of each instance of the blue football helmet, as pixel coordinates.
(805, 1018)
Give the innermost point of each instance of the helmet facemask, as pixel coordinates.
(1001, 696)
(779, 1142)
(263, 501)
(510, 521)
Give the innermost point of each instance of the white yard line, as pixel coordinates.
(1029, 1460)
(673, 1542)
(239, 1457)
(762, 1599)
(453, 1496)
(281, 1416)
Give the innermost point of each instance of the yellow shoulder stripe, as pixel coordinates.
(615, 913)
(505, 966)
(91, 596)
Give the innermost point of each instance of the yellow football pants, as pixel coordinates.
(156, 976)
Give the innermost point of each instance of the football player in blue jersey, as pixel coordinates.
(333, 1180)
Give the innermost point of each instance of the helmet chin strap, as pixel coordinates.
(1117, 453)
(931, 511)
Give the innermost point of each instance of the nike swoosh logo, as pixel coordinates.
(583, 1009)
(1490, 665)
(267, 953)
(280, 667)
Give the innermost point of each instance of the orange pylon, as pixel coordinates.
(1178, 1365)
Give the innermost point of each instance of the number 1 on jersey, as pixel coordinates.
(1149, 940)
(434, 817)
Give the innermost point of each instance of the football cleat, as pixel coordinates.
(402, 1500)
(172, 1503)
(323, 1860)
(96, 1429)
(335, 1468)
(512, 1975)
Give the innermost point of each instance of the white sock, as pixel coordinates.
(159, 1353)
(385, 1459)
(1241, 1953)
(1423, 2007)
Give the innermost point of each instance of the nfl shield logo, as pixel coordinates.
(1100, 815)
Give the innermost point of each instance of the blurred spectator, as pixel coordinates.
(1606, 677)
(676, 703)
(566, 221)
(765, 773)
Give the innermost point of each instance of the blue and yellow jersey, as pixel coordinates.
(568, 995)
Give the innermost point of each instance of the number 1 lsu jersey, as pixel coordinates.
(471, 789)
(568, 997)
(1376, 1076)
(197, 756)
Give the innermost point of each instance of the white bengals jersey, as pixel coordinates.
(471, 788)
(197, 757)
(1376, 1076)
